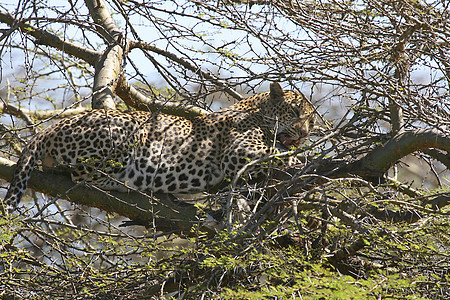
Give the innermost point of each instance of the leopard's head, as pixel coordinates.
(293, 115)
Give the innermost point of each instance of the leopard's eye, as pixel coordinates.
(297, 112)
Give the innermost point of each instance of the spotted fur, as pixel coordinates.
(116, 150)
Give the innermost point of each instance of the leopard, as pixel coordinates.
(152, 151)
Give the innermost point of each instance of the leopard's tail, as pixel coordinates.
(30, 155)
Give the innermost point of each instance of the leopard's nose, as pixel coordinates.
(303, 133)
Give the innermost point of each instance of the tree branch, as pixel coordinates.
(105, 23)
(25, 114)
(107, 71)
(439, 156)
(400, 60)
(109, 67)
(134, 98)
(49, 39)
(380, 159)
(402, 144)
(139, 207)
(193, 68)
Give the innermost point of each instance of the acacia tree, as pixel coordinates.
(378, 73)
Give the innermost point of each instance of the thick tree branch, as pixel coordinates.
(376, 163)
(107, 71)
(383, 157)
(105, 23)
(142, 209)
(380, 159)
(109, 67)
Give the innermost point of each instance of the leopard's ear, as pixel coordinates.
(276, 92)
